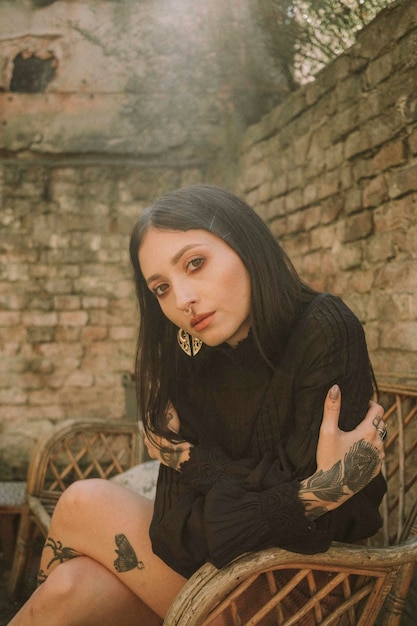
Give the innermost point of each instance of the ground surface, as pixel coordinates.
(7, 608)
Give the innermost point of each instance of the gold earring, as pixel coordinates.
(189, 344)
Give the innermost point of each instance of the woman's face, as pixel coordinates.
(201, 283)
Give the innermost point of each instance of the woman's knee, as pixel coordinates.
(81, 496)
(63, 584)
(86, 502)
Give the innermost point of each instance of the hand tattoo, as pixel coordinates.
(327, 484)
(61, 554)
(360, 465)
(126, 559)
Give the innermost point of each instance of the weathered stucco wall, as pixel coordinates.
(171, 79)
(334, 172)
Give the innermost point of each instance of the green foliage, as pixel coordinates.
(328, 27)
(308, 34)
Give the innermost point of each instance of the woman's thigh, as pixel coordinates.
(110, 524)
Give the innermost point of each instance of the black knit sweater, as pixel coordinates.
(255, 433)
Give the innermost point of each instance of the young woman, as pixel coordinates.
(236, 359)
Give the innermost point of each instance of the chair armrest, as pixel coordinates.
(38, 511)
(210, 591)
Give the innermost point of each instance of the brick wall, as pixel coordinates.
(68, 317)
(334, 172)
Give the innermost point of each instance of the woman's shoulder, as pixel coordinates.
(327, 320)
(327, 308)
(327, 337)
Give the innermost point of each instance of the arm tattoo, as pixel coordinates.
(61, 554)
(360, 465)
(171, 456)
(126, 556)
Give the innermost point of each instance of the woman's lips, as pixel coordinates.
(199, 322)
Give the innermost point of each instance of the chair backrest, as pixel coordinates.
(399, 508)
(82, 449)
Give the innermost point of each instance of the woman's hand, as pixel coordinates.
(165, 451)
(346, 461)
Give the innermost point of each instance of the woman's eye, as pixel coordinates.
(160, 290)
(194, 264)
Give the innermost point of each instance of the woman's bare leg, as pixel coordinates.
(81, 592)
(110, 525)
(97, 565)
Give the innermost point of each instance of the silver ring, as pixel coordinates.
(382, 432)
(376, 420)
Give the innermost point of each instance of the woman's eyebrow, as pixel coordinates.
(183, 250)
(175, 259)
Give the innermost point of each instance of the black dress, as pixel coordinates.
(255, 433)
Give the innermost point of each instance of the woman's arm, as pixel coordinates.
(346, 461)
(246, 509)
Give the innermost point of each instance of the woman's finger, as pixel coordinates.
(373, 423)
(331, 410)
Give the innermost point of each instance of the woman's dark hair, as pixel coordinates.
(276, 290)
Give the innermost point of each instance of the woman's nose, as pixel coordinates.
(184, 299)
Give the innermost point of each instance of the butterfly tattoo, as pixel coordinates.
(126, 556)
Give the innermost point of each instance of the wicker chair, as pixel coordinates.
(346, 586)
(75, 450)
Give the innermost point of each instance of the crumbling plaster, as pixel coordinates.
(134, 78)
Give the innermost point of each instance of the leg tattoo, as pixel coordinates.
(61, 554)
(41, 577)
(126, 556)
